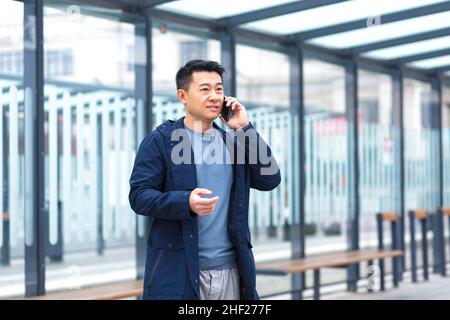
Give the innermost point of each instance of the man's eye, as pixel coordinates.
(219, 89)
(204, 89)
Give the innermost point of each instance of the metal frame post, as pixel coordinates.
(144, 124)
(35, 228)
(351, 95)
(412, 233)
(398, 103)
(296, 94)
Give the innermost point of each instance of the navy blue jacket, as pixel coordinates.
(160, 189)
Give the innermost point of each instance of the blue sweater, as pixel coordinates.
(215, 173)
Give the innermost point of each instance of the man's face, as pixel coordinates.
(204, 97)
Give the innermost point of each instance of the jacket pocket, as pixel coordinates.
(167, 276)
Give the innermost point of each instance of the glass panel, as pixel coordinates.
(421, 130)
(263, 87)
(218, 9)
(326, 162)
(12, 162)
(432, 63)
(379, 156)
(378, 153)
(262, 79)
(90, 146)
(446, 143)
(334, 14)
(408, 49)
(385, 31)
(171, 50)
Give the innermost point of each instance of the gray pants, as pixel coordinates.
(219, 284)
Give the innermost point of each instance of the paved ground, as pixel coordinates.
(437, 288)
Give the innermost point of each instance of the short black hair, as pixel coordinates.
(184, 74)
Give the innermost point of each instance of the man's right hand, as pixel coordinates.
(202, 206)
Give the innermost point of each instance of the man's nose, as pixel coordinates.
(214, 95)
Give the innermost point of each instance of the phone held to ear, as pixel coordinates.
(226, 111)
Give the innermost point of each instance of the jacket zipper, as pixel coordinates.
(158, 257)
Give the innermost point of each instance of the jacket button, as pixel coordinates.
(191, 236)
(170, 245)
(241, 205)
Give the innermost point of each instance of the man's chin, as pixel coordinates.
(210, 117)
(207, 117)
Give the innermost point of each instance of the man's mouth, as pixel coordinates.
(213, 108)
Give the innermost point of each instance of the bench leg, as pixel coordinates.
(439, 234)
(424, 248)
(297, 283)
(442, 247)
(316, 284)
(381, 262)
(412, 234)
(395, 245)
(352, 277)
(395, 265)
(435, 243)
(445, 262)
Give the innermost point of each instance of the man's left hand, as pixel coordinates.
(239, 118)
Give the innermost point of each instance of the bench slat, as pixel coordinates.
(114, 291)
(325, 261)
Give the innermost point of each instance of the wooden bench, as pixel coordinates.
(334, 260)
(113, 291)
(342, 259)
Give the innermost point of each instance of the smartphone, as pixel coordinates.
(226, 111)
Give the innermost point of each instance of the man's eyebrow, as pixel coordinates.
(207, 84)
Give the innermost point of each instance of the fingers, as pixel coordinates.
(206, 210)
(204, 201)
(233, 103)
(202, 191)
(207, 201)
(206, 207)
(202, 206)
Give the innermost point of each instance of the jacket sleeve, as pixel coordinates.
(146, 183)
(264, 171)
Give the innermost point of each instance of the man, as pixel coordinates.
(197, 193)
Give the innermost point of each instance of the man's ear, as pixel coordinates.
(181, 94)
